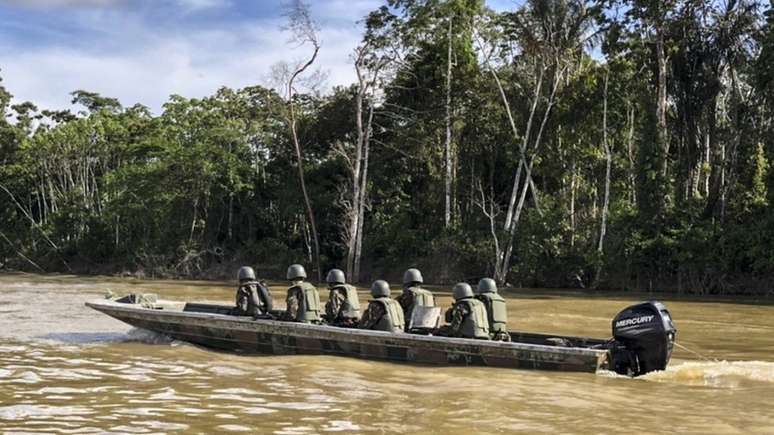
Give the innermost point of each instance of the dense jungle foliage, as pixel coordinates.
(621, 144)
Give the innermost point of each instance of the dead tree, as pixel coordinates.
(447, 144)
(304, 32)
(370, 60)
(551, 59)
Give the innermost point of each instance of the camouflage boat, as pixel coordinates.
(642, 342)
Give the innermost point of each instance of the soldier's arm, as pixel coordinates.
(404, 299)
(255, 300)
(292, 306)
(241, 301)
(448, 315)
(371, 316)
(365, 320)
(331, 307)
(458, 316)
(264, 289)
(336, 302)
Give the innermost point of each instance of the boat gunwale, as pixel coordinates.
(345, 334)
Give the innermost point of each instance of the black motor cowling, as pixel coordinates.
(643, 337)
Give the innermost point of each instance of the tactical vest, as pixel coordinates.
(265, 303)
(422, 297)
(392, 320)
(265, 295)
(308, 304)
(496, 311)
(351, 308)
(476, 324)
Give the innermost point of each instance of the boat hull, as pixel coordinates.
(248, 336)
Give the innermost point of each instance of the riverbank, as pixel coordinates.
(279, 285)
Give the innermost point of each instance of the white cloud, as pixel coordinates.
(350, 10)
(136, 61)
(192, 65)
(61, 3)
(196, 5)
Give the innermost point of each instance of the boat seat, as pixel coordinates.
(192, 307)
(559, 341)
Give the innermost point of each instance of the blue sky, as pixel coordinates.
(141, 51)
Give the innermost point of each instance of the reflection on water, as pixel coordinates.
(67, 369)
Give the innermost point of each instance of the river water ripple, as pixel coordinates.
(67, 369)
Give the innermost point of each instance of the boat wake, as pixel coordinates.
(134, 335)
(716, 374)
(137, 335)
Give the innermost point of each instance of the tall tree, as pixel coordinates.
(545, 38)
(304, 32)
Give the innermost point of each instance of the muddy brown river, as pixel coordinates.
(67, 369)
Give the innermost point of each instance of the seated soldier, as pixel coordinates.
(467, 316)
(303, 300)
(343, 306)
(252, 297)
(383, 313)
(413, 294)
(496, 309)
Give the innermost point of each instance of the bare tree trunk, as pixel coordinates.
(230, 215)
(305, 31)
(715, 157)
(723, 171)
(515, 132)
(573, 183)
(369, 62)
(706, 160)
(630, 153)
(505, 263)
(193, 220)
(447, 146)
(353, 214)
(307, 240)
(363, 196)
(501, 263)
(525, 141)
(661, 100)
(487, 207)
(606, 202)
(20, 254)
(302, 181)
(307, 201)
(35, 225)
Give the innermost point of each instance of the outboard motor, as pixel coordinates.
(643, 338)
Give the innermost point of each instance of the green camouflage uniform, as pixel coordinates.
(383, 314)
(343, 306)
(467, 319)
(303, 303)
(372, 315)
(253, 298)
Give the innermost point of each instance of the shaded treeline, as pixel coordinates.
(611, 144)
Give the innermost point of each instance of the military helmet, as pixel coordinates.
(336, 276)
(296, 271)
(380, 289)
(462, 290)
(487, 285)
(411, 276)
(245, 273)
